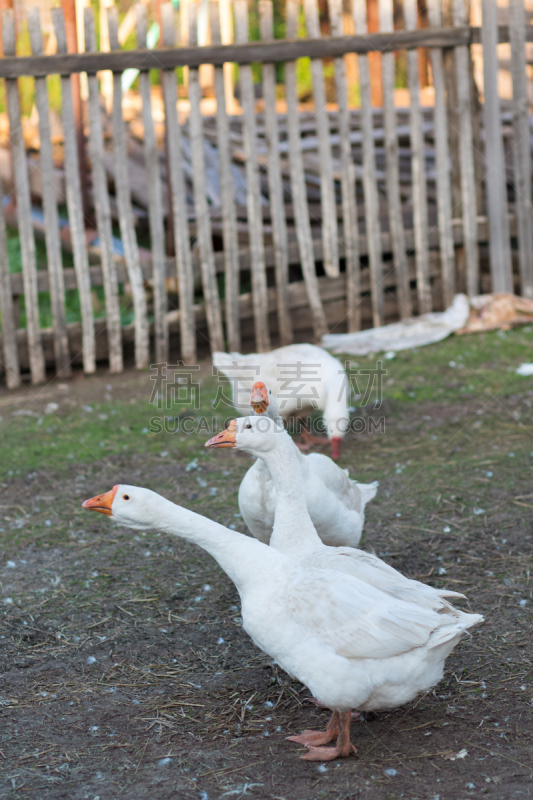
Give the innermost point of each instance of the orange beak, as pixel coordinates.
(102, 502)
(225, 439)
(259, 398)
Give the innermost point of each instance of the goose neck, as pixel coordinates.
(293, 531)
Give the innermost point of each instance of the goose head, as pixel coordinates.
(131, 506)
(262, 401)
(255, 435)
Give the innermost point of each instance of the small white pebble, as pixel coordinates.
(8, 601)
(389, 355)
(442, 571)
(322, 768)
(268, 704)
(94, 728)
(206, 587)
(523, 602)
(91, 660)
(148, 553)
(478, 511)
(88, 409)
(48, 523)
(164, 762)
(11, 564)
(220, 640)
(390, 772)
(446, 529)
(198, 599)
(511, 455)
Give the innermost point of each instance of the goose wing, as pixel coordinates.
(357, 620)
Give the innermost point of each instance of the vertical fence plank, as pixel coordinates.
(418, 170)
(51, 220)
(392, 167)
(75, 205)
(155, 201)
(499, 244)
(9, 332)
(125, 213)
(522, 147)
(298, 187)
(22, 194)
(275, 181)
(348, 188)
(253, 188)
(442, 157)
(327, 185)
(466, 156)
(227, 192)
(203, 218)
(102, 208)
(179, 196)
(373, 227)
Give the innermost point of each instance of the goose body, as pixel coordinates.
(335, 503)
(344, 639)
(303, 377)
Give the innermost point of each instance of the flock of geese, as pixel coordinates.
(355, 631)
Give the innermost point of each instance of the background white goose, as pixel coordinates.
(335, 503)
(303, 377)
(353, 648)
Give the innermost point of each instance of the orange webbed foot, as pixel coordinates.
(338, 728)
(314, 738)
(328, 753)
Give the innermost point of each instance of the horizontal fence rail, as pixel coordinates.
(266, 217)
(245, 53)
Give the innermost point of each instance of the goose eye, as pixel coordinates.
(248, 426)
(125, 497)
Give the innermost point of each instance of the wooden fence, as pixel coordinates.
(339, 217)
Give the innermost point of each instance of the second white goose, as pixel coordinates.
(335, 503)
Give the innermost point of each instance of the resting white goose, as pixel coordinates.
(335, 503)
(354, 649)
(302, 376)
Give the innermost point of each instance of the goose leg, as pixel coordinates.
(356, 715)
(343, 747)
(316, 738)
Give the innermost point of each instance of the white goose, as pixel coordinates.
(295, 535)
(335, 503)
(354, 648)
(302, 376)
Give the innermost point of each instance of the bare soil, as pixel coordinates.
(125, 672)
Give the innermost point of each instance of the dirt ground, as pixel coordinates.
(125, 671)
